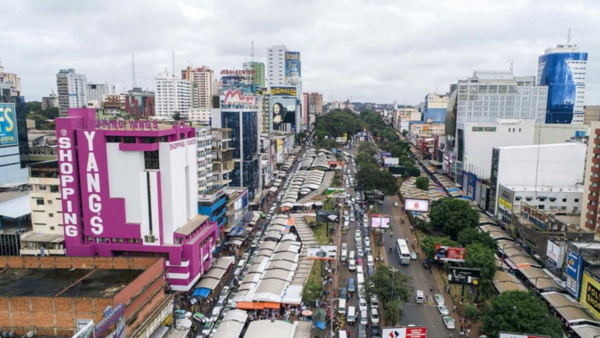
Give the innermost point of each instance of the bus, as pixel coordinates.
(403, 252)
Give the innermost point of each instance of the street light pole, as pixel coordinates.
(392, 302)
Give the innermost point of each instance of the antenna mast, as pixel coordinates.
(133, 70)
(569, 37)
(173, 64)
(252, 53)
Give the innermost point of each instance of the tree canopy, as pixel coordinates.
(452, 215)
(429, 243)
(472, 235)
(422, 182)
(369, 177)
(338, 122)
(479, 256)
(384, 278)
(368, 148)
(365, 159)
(519, 311)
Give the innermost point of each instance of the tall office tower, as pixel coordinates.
(14, 147)
(434, 107)
(149, 209)
(315, 104)
(172, 96)
(563, 70)
(50, 101)
(72, 90)
(96, 92)
(140, 103)
(258, 75)
(201, 85)
(12, 79)
(276, 66)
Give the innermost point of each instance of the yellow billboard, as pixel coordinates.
(505, 203)
(288, 91)
(345, 136)
(590, 293)
(279, 145)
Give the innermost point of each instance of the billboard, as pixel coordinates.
(293, 68)
(236, 98)
(335, 192)
(463, 276)
(405, 332)
(285, 91)
(520, 335)
(8, 124)
(449, 253)
(389, 161)
(590, 293)
(555, 255)
(283, 113)
(322, 252)
(384, 155)
(574, 270)
(380, 221)
(335, 164)
(411, 204)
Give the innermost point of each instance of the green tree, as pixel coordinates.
(40, 121)
(429, 242)
(452, 215)
(177, 116)
(404, 132)
(519, 311)
(472, 235)
(471, 311)
(392, 312)
(33, 107)
(301, 136)
(479, 256)
(370, 177)
(413, 172)
(365, 159)
(422, 183)
(389, 285)
(367, 148)
(50, 113)
(338, 122)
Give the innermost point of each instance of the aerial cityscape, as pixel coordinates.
(175, 169)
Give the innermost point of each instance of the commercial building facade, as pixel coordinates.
(591, 194)
(172, 96)
(434, 108)
(258, 75)
(201, 82)
(14, 146)
(96, 92)
(140, 103)
(12, 79)
(72, 90)
(563, 70)
(152, 205)
(50, 101)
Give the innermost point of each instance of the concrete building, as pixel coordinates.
(201, 115)
(315, 104)
(12, 79)
(47, 235)
(72, 90)
(258, 75)
(96, 92)
(590, 217)
(113, 104)
(201, 82)
(50, 101)
(213, 202)
(563, 70)
(403, 117)
(553, 166)
(152, 205)
(276, 66)
(60, 296)
(140, 103)
(590, 114)
(14, 146)
(434, 108)
(172, 96)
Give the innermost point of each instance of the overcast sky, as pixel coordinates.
(377, 50)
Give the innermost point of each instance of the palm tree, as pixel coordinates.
(485, 290)
(393, 312)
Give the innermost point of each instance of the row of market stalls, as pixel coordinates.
(266, 283)
(214, 278)
(519, 271)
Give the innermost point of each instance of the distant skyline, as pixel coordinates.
(382, 51)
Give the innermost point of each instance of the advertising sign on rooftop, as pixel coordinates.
(405, 332)
(8, 124)
(236, 98)
(449, 253)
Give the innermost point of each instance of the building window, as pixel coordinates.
(577, 200)
(50, 215)
(128, 139)
(151, 160)
(113, 139)
(49, 201)
(149, 139)
(54, 188)
(39, 201)
(564, 199)
(41, 187)
(51, 228)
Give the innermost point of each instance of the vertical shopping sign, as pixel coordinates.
(574, 269)
(8, 124)
(293, 68)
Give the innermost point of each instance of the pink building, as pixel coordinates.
(129, 188)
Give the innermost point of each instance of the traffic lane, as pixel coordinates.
(425, 315)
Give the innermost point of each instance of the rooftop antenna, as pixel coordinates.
(569, 37)
(133, 70)
(511, 67)
(252, 52)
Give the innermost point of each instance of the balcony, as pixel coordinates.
(596, 140)
(595, 160)
(596, 150)
(595, 179)
(592, 207)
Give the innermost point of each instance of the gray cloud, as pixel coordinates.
(367, 50)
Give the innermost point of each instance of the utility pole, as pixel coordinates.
(133, 70)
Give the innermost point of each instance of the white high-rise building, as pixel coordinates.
(72, 90)
(96, 92)
(276, 66)
(172, 95)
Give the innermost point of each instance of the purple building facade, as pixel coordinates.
(129, 188)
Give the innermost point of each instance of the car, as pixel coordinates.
(343, 293)
(374, 316)
(352, 265)
(362, 304)
(439, 299)
(443, 310)
(364, 320)
(224, 291)
(359, 253)
(254, 244)
(395, 204)
(358, 241)
(344, 246)
(449, 322)
(380, 202)
(370, 271)
(367, 241)
(357, 233)
(351, 285)
(413, 255)
(208, 326)
(374, 301)
(375, 331)
(361, 291)
(352, 219)
(181, 314)
(426, 264)
(359, 246)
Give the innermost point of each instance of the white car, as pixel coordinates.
(439, 299)
(364, 320)
(224, 291)
(374, 302)
(362, 304)
(367, 241)
(449, 322)
(359, 253)
(357, 233)
(443, 310)
(375, 316)
(358, 240)
(395, 204)
(352, 265)
(344, 246)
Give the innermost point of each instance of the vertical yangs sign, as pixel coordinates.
(69, 180)
(8, 124)
(94, 180)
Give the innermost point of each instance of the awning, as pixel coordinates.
(272, 305)
(16, 207)
(511, 264)
(235, 242)
(250, 306)
(201, 292)
(320, 325)
(273, 189)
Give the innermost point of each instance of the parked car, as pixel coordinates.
(362, 305)
(374, 301)
(208, 326)
(413, 255)
(352, 265)
(426, 264)
(443, 310)
(395, 204)
(375, 331)
(364, 318)
(449, 322)
(439, 299)
(374, 316)
(343, 293)
(351, 285)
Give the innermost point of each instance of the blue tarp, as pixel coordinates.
(201, 292)
(320, 325)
